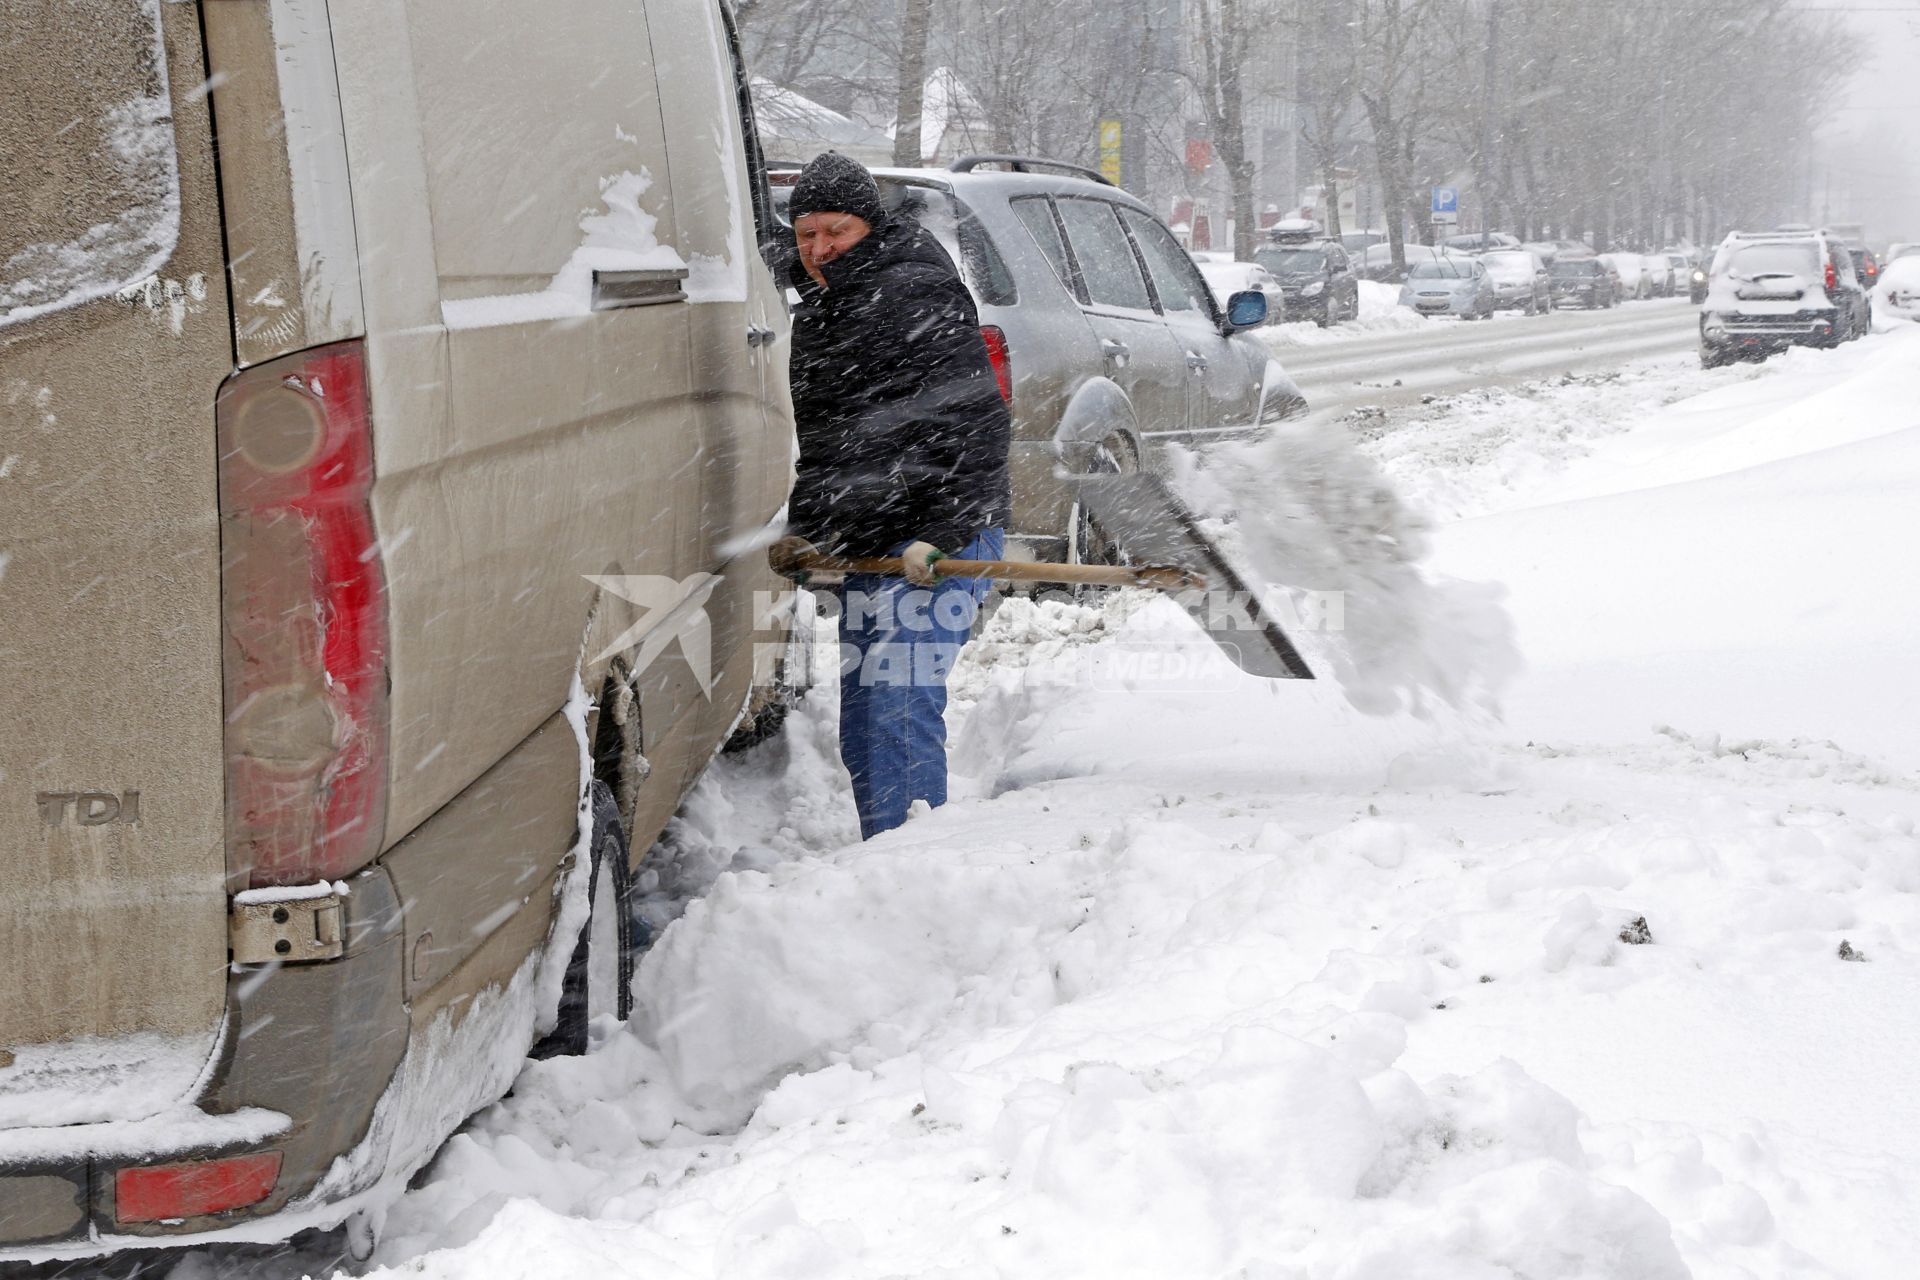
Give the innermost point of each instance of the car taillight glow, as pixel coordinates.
(1832, 279)
(194, 1188)
(304, 619)
(996, 341)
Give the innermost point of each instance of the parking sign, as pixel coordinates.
(1446, 205)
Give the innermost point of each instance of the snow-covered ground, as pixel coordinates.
(1200, 976)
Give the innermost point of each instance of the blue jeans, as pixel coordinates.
(898, 642)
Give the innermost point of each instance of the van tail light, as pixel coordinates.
(996, 340)
(304, 620)
(194, 1188)
(1832, 277)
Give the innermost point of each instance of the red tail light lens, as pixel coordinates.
(996, 341)
(193, 1189)
(304, 614)
(1832, 279)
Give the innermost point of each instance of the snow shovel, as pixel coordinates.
(1146, 521)
(1166, 550)
(1157, 577)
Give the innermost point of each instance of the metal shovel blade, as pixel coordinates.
(1149, 524)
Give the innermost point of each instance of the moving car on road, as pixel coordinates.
(1316, 275)
(1582, 282)
(360, 483)
(1775, 289)
(1450, 286)
(1866, 267)
(1520, 281)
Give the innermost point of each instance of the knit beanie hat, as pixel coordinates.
(833, 183)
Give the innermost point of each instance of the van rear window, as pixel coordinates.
(89, 184)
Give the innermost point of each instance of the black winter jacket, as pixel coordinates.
(903, 433)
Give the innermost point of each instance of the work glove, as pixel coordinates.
(782, 554)
(917, 560)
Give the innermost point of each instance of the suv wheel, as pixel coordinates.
(1089, 543)
(600, 975)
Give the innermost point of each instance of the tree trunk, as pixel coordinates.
(1330, 197)
(916, 16)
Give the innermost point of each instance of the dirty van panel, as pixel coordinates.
(113, 339)
(287, 200)
(570, 443)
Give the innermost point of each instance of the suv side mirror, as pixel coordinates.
(1246, 310)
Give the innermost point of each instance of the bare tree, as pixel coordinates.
(1222, 38)
(1323, 93)
(1391, 83)
(916, 17)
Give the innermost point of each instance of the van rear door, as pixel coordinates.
(114, 336)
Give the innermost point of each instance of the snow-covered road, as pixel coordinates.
(1200, 976)
(1390, 359)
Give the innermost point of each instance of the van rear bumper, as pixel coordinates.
(306, 1091)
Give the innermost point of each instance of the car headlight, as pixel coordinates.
(1315, 289)
(1699, 277)
(1714, 327)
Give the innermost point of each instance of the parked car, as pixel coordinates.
(1770, 290)
(1355, 242)
(362, 476)
(1479, 242)
(1228, 278)
(1317, 276)
(1898, 293)
(1109, 341)
(1631, 270)
(1520, 281)
(1866, 267)
(1900, 249)
(1583, 282)
(1661, 282)
(1376, 262)
(1450, 286)
(1545, 250)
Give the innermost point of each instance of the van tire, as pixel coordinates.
(600, 973)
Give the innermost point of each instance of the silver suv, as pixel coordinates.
(1108, 343)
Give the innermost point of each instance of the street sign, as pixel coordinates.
(1446, 206)
(1112, 143)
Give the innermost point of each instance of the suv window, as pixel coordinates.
(1107, 264)
(99, 207)
(1798, 258)
(1036, 214)
(1291, 261)
(960, 234)
(1174, 277)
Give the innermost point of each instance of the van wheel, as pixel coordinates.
(600, 974)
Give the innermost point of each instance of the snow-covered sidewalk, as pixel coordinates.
(1205, 977)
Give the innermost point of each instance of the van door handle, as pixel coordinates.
(1116, 353)
(759, 337)
(1196, 362)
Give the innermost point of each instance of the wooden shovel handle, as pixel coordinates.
(1158, 577)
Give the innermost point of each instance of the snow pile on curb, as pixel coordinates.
(1380, 312)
